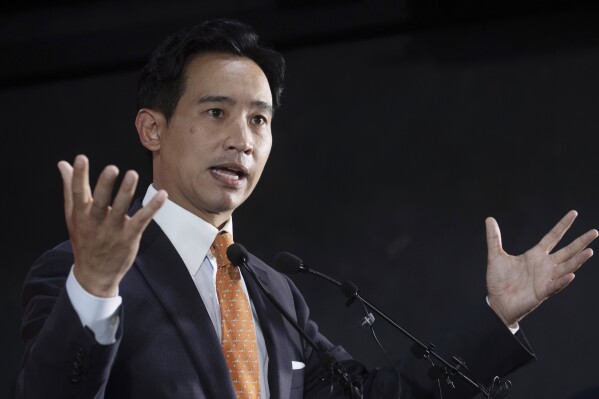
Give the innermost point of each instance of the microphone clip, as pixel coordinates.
(368, 320)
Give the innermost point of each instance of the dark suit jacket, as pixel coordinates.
(167, 346)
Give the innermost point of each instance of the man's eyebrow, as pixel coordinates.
(264, 106)
(216, 99)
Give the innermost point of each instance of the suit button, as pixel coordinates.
(75, 374)
(80, 353)
(75, 370)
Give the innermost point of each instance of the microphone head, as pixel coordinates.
(237, 254)
(349, 289)
(288, 263)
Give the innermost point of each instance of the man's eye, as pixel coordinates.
(215, 112)
(259, 120)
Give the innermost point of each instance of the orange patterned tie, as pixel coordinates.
(238, 335)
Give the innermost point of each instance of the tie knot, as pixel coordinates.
(219, 248)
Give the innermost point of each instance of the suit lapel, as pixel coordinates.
(275, 335)
(165, 272)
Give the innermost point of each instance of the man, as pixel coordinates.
(142, 303)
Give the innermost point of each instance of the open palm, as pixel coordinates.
(516, 285)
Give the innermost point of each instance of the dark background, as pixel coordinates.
(404, 124)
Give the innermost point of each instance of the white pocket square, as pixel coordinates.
(297, 365)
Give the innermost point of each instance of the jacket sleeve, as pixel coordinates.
(62, 358)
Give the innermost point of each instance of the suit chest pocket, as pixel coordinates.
(297, 379)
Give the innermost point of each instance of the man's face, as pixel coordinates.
(217, 142)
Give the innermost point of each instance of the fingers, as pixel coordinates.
(575, 246)
(103, 192)
(145, 214)
(66, 173)
(78, 196)
(559, 284)
(493, 237)
(572, 264)
(80, 183)
(557, 232)
(564, 272)
(123, 198)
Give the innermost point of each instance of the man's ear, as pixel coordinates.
(149, 124)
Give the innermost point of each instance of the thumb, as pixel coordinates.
(493, 237)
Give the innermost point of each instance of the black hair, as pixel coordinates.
(162, 79)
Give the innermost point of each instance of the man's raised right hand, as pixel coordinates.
(105, 239)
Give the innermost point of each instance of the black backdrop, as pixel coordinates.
(389, 152)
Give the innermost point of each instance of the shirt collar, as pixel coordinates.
(190, 235)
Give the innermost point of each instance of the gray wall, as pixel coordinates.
(388, 155)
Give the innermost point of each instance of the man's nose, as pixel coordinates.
(239, 137)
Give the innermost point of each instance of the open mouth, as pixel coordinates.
(229, 173)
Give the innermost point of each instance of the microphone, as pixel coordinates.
(239, 256)
(291, 264)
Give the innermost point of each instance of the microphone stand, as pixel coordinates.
(238, 256)
(352, 292)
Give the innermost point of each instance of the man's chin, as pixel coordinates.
(227, 205)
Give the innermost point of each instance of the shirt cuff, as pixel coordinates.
(98, 314)
(513, 329)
